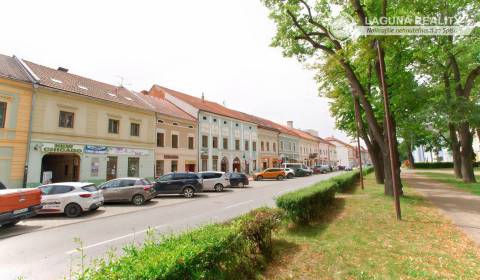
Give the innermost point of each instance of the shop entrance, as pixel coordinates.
(60, 168)
(236, 165)
(224, 165)
(111, 168)
(190, 167)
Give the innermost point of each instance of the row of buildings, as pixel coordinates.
(56, 126)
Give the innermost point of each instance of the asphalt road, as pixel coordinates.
(52, 253)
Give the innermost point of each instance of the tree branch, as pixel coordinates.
(360, 12)
(471, 81)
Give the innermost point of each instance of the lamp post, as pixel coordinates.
(357, 124)
(389, 127)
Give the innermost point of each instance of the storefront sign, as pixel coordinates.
(90, 149)
(127, 151)
(61, 148)
(170, 157)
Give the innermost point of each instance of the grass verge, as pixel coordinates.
(450, 179)
(358, 238)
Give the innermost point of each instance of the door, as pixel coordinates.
(164, 184)
(111, 168)
(208, 180)
(126, 189)
(110, 190)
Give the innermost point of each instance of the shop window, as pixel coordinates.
(133, 167)
(246, 145)
(190, 143)
(174, 141)
(66, 119)
(237, 145)
(94, 167)
(135, 129)
(215, 142)
(205, 141)
(225, 143)
(214, 164)
(262, 146)
(254, 146)
(3, 114)
(174, 166)
(160, 139)
(204, 164)
(113, 126)
(159, 168)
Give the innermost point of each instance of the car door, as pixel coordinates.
(269, 174)
(208, 181)
(126, 189)
(109, 190)
(164, 184)
(59, 196)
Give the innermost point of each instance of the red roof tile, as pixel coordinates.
(339, 141)
(163, 106)
(9, 68)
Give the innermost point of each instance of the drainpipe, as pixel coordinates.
(29, 137)
(198, 142)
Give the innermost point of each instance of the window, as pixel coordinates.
(160, 121)
(236, 124)
(237, 145)
(159, 168)
(134, 129)
(174, 166)
(133, 166)
(214, 120)
(113, 126)
(254, 146)
(204, 164)
(204, 141)
(204, 118)
(174, 123)
(225, 143)
(224, 122)
(268, 146)
(160, 139)
(190, 143)
(65, 119)
(94, 166)
(214, 164)
(281, 145)
(3, 114)
(274, 147)
(61, 189)
(262, 146)
(254, 164)
(174, 141)
(215, 142)
(246, 145)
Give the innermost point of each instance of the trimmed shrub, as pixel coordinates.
(435, 165)
(220, 251)
(305, 204)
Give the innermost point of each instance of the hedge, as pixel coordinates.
(435, 165)
(305, 204)
(218, 251)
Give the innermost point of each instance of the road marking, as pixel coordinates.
(238, 204)
(111, 240)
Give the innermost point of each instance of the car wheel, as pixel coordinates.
(188, 192)
(73, 210)
(138, 199)
(280, 178)
(241, 185)
(10, 224)
(218, 187)
(290, 176)
(259, 178)
(95, 208)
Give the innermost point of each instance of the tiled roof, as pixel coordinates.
(303, 134)
(338, 141)
(163, 106)
(83, 86)
(9, 68)
(203, 105)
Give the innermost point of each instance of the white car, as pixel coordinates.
(214, 180)
(290, 172)
(70, 198)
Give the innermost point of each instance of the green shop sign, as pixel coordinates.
(61, 148)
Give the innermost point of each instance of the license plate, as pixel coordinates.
(19, 211)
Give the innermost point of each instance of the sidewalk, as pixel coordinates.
(461, 207)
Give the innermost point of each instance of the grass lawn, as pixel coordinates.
(451, 180)
(360, 239)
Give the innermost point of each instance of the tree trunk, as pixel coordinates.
(377, 161)
(411, 159)
(466, 152)
(455, 148)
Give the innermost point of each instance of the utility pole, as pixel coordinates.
(357, 122)
(389, 127)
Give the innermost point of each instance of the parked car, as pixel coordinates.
(348, 168)
(238, 179)
(214, 180)
(302, 172)
(270, 173)
(321, 169)
(290, 172)
(186, 184)
(70, 198)
(18, 204)
(134, 190)
(340, 167)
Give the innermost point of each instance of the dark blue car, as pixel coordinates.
(186, 184)
(238, 179)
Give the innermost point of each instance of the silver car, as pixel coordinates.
(214, 180)
(135, 190)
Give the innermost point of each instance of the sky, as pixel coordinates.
(218, 47)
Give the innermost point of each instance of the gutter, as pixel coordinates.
(34, 80)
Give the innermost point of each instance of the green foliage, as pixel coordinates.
(220, 251)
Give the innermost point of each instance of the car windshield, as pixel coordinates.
(90, 188)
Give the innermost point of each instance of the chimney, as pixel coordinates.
(203, 97)
(63, 69)
(290, 124)
(145, 92)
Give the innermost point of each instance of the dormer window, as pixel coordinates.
(56, 81)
